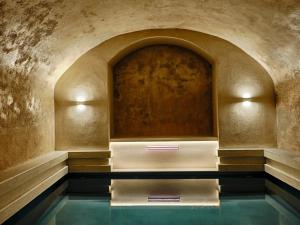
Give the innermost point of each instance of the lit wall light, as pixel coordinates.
(246, 99)
(80, 98)
(246, 96)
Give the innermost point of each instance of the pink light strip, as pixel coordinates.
(162, 148)
(164, 198)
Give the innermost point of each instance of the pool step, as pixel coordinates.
(159, 156)
(19, 185)
(241, 160)
(89, 161)
(284, 165)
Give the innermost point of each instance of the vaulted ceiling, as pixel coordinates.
(49, 35)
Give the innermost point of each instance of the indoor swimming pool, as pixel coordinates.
(89, 200)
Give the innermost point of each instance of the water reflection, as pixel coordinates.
(93, 200)
(193, 192)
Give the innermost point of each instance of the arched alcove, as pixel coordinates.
(235, 75)
(162, 91)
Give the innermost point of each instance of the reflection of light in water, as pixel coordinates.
(152, 192)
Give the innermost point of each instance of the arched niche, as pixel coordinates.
(235, 74)
(162, 91)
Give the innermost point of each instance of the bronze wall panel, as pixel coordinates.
(162, 91)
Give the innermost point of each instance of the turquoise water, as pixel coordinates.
(84, 202)
(254, 211)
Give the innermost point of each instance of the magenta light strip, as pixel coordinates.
(164, 198)
(162, 148)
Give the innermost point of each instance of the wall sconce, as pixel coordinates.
(246, 96)
(80, 106)
(246, 99)
(80, 98)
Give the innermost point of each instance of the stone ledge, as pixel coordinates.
(291, 159)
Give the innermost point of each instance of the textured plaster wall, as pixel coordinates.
(41, 39)
(26, 95)
(288, 112)
(82, 126)
(162, 91)
(235, 74)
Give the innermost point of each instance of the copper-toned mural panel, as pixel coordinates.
(162, 91)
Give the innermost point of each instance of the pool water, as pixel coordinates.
(233, 201)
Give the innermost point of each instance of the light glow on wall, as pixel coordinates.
(81, 94)
(81, 116)
(246, 103)
(246, 95)
(246, 99)
(80, 98)
(80, 107)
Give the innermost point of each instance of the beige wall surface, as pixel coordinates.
(236, 74)
(288, 113)
(26, 92)
(40, 39)
(26, 124)
(82, 125)
(26, 115)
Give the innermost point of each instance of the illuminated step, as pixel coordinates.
(164, 156)
(241, 159)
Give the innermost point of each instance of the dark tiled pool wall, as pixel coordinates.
(89, 186)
